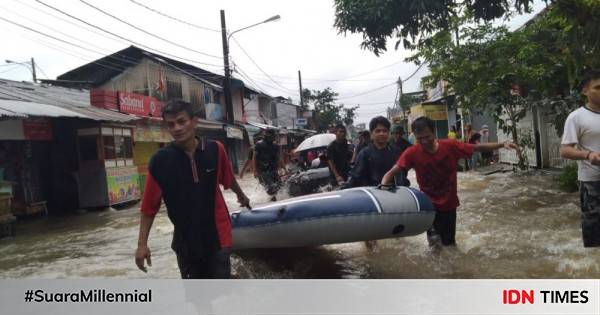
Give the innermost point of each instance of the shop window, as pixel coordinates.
(88, 148)
(174, 88)
(109, 147)
(128, 143)
(118, 147)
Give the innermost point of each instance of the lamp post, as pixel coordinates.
(227, 83)
(32, 63)
(225, 38)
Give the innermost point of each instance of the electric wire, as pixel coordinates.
(146, 32)
(174, 18)
(122, 37)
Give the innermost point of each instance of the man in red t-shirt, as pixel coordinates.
(435, 162)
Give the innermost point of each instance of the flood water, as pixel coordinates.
(508, 226)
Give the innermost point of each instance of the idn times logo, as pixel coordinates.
(514, 296)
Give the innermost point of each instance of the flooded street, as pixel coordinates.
(508, 226)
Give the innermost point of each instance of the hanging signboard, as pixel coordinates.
(234, 133)
(37, 129)
(140, 105)
(26, 129)
(151, 133)
(434, 112)
(300, 121)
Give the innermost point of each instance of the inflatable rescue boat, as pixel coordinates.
(357, 214)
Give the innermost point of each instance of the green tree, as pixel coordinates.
(412, 22)
(349, 115)
(325, 110)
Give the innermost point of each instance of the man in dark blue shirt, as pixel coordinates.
(267, 161)
(376, 159)
(338, 156)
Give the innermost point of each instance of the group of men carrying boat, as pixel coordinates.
(187, 173)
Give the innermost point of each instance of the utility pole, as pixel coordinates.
(300, 83)
(227, 83)
(227, 91)
(400, 105)
(33, 70)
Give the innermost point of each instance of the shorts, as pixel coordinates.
(443, 229)
(590, 213)
(216, 266)
(271, 181)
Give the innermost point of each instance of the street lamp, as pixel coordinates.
(225, 38)
(32, 63)
(271, 19)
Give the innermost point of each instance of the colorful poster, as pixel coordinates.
(123, 184)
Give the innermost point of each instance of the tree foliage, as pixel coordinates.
(412, 22)
(326, 112)
(509, 73)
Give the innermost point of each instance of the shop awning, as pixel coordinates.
(209, 124)
(26, 109)
(262, 126)
(234, 132)
(103, 114)
(438, 100)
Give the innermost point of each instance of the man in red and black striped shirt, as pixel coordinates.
(186, 174)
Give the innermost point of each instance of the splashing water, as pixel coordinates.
(508, 226)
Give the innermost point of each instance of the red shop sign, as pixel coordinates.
(37, 129)
(139, 105)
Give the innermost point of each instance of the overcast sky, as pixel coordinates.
(304, 39)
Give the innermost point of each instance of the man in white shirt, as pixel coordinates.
(581, 142)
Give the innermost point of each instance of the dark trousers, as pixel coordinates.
(590, 213)
(216, 266)
(270, 180)
(443, 229)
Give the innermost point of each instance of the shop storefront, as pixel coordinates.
(25, 145)
(149, 136)
(107, 175)
(437, 113)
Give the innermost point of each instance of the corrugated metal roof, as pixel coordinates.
(75, 101)
(44, 94)
(97, 72)
(7, 113)
(36, 109)
(103, 114)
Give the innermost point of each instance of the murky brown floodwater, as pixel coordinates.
(509, 226)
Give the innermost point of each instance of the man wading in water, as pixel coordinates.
(266, 163)
(435, 162)
(581, 142)
(187, 174)
(375, 160)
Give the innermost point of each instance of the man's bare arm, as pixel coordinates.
(491, 146)
(143, 252)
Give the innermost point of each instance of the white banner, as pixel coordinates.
(299, 297)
